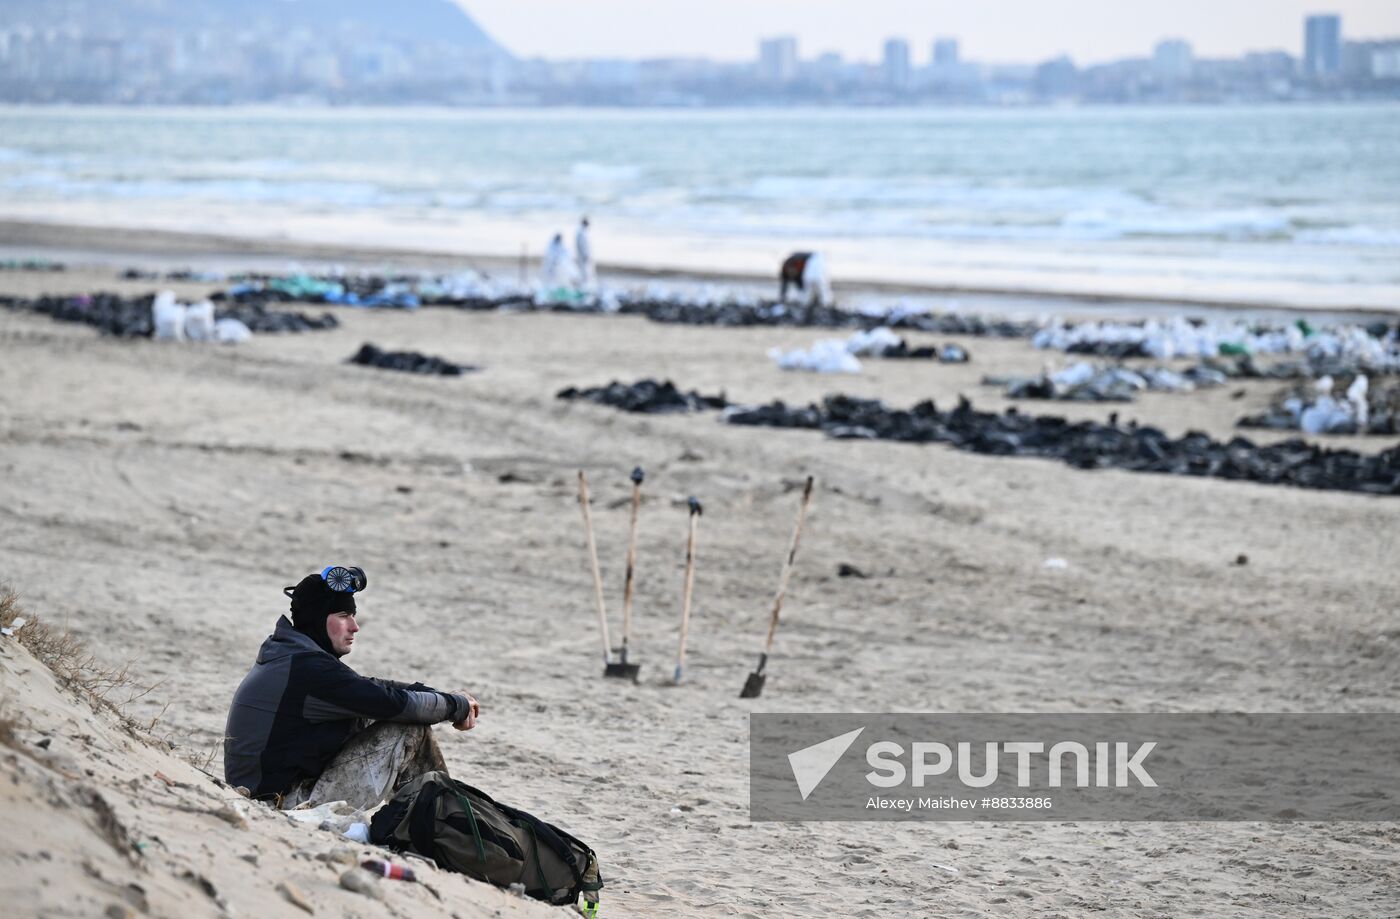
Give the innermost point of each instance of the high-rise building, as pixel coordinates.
(1385, 61)
(1057, 79)
(1322, 45)
(1172, 61)
(1270, 65)
(896, 64)
(1371, 60)
(945, 52)
(829, 65)
(777, 59)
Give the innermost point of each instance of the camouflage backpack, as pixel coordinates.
(462, 829)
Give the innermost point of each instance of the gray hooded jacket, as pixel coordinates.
(299, 705)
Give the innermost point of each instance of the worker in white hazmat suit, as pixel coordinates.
(554, 270)
(583, 254)
(807, 272)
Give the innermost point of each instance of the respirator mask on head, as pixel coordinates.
(320, 595)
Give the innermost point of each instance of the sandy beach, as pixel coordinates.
(156, 499)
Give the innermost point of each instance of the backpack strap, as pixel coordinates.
(539, 868)
(476, 830)
(541, 831)
(422, 820)
(387, 820)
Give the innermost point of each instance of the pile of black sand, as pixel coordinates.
(645, 396)
(130, 317)
(408, 362)
(824, 317)
(1084, 444)
(260, 319)
(1088, 444)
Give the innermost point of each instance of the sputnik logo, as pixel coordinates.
(811, 764)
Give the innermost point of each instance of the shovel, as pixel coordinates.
(597, 577)
(620, 668)
(753, 686)
(695, 511)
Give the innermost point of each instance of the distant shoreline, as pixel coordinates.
(143, 247)
(516, 107)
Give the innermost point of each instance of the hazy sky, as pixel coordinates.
(990, 30)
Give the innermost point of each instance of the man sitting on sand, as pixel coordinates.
(305, 728)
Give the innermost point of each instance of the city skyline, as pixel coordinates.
(347, 51)
(730, 30)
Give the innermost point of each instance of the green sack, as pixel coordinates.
(462, 829)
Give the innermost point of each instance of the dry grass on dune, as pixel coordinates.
(8, 725)
(76, 667)
(105, 820)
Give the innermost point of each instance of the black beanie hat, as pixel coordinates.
(312, 601)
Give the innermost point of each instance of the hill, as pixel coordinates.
(440, 21)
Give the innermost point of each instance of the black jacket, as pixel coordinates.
(299, 705)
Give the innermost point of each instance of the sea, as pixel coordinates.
(1288, 205)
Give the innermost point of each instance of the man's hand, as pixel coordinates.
(469, 722)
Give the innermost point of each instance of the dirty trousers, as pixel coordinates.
(371, 765)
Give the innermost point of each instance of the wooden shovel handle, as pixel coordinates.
(788, 565)
(631, 565)
(689, 588)
(593, 559)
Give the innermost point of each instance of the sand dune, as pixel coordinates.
(102, 820)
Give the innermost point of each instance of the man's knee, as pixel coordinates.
(393, 731)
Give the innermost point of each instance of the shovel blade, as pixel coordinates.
(753, 686)
(622, 671)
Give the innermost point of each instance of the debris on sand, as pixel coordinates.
(1088, 444)
(720, 308)
(463, 290)
(347, 291)
(829, 355)
(835, 355)
(110, 314)
(645, 396)
(31, 264)
(408, 362)
(362, 882)
(260, 319)
(1086, 382)
(1084, 444)
(948, 354)
(1374, 347)
(132, 317)
(1314, 409)
(677, 309)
